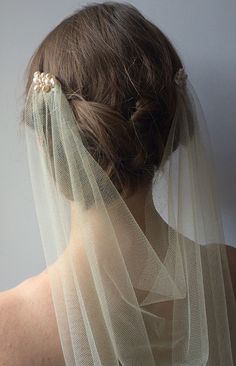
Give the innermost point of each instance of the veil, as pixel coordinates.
(125, 294)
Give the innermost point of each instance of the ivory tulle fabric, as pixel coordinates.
(124, 295)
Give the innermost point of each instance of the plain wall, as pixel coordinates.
(203, 32)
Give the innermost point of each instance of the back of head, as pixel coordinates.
(116, 69)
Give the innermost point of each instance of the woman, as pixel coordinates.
(137, 272)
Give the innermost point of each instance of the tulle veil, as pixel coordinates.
(123, 295)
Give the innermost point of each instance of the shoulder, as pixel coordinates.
(11, 330)
(28, 332)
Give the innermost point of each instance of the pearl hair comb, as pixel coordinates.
(180, 77)
(43, 81)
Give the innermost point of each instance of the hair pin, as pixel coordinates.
(43, 81)
(181, 77)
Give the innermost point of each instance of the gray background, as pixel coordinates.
(204, 33)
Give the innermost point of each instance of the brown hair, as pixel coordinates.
(117, 66)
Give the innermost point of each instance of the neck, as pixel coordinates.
(135, 203)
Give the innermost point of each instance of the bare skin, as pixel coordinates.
(28, 332)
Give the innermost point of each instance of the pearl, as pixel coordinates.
(48, 75)
(36, 73)
(37, 88)
(47, 82)
(36, 80)
(46, 88)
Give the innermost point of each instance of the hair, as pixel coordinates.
(117, 66)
